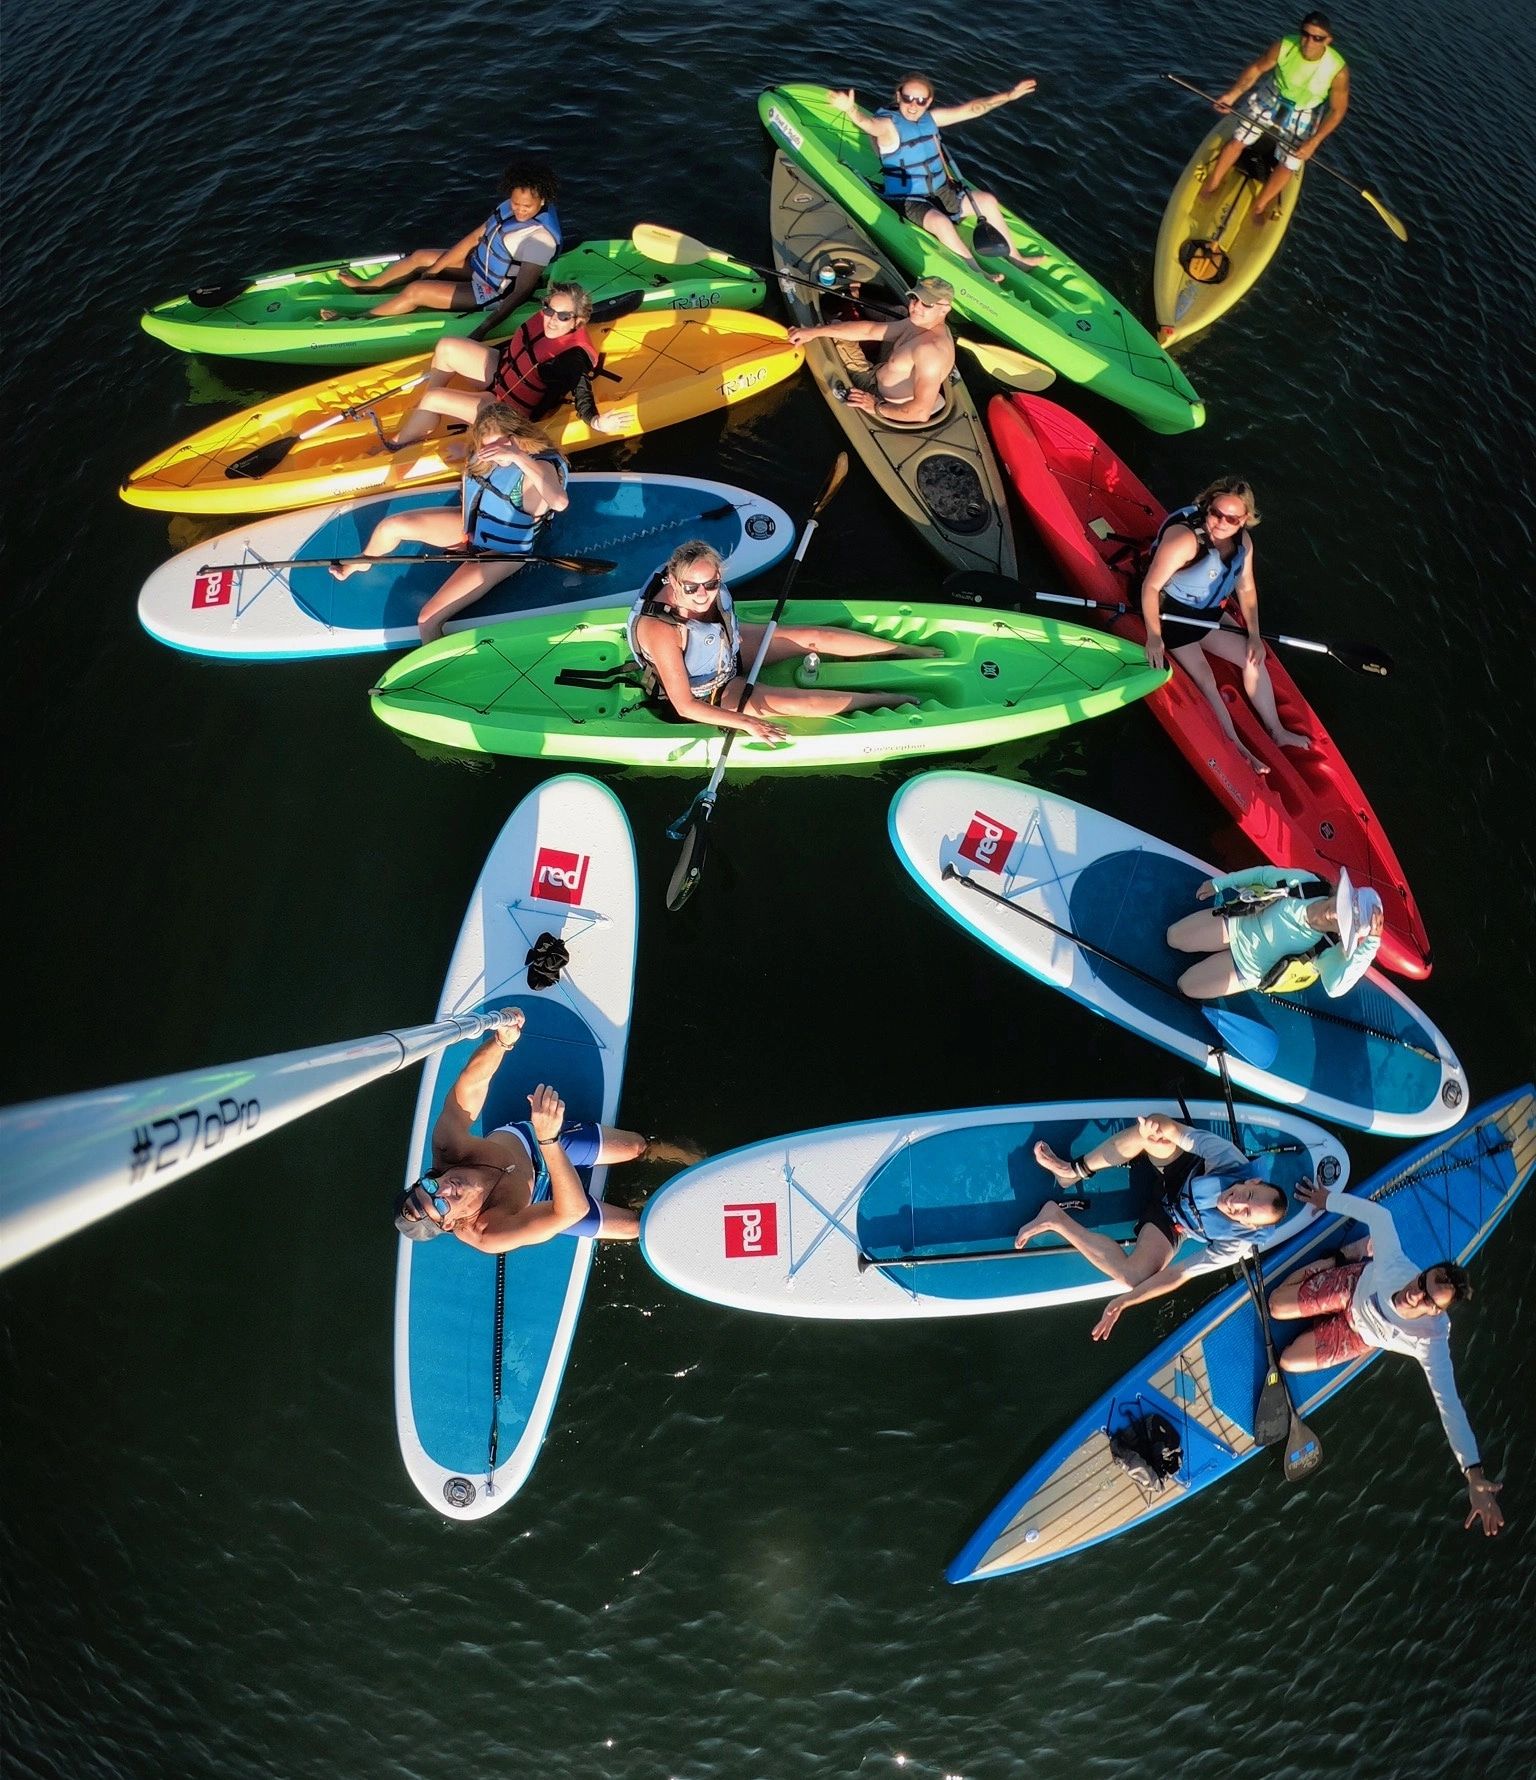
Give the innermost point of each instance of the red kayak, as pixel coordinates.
(1308, 810)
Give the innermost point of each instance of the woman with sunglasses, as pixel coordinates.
(1369, 1295)
(549, 361)
(684, 631)
(1300, 75)
(1202, 562)
(514, 479)
(920, 180)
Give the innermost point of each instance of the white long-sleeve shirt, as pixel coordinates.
(1425, 1339)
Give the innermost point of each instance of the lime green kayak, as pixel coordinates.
(277, 317)
(1055, 311)
(553, 688)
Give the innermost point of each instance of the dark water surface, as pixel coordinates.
(727, 1564)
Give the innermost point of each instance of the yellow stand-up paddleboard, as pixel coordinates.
(659, 368)
(1210, 252)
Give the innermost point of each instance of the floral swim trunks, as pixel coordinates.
(1326, 1295)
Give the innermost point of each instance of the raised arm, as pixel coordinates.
(881, 128)
(466, 1098)
(567, 1202)
(944, 115)
(1482, 1495)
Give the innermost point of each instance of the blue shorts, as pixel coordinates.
(581, 1140)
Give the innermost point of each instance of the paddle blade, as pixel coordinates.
(1272, 1417)
(215, 296)
(613, 308)
(1303, 1451)
(835, 478)
(263, 460)
(1253, 1041)
(1015, 369)
(1364, 658)
(690, 860)
(1394, 223)
(669, 246)
(990, 241)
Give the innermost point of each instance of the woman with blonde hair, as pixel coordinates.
(513, 480)
(1202, 565)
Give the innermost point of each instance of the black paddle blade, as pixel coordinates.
(979, 587)
(690, 861)
(1364, 658)
(1272, 1417)
(262, 461)
(1303, 1451)
(989, 241)
(215, 296)
(612, 308)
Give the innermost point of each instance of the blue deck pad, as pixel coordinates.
(453, 1287)
(971, 1188)
(1125, 902)
(635, 524)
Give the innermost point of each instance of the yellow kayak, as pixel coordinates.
(659, 367)
(1211, 252)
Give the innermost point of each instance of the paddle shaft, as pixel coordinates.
(595, 565)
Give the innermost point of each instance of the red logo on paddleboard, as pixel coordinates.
(558, 876)
(751, 1231)
(215, 589)
(988, 842)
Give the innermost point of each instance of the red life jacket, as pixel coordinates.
(519, 374)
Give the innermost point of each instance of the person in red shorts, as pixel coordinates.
(1372, 1296)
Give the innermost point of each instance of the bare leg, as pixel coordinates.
(451, 357)
(1148, 1256)
(427, 293)
(1301, 1355)
(987, 206)
(1203, 931)
(945, 233)
(462, 588)
(1231, 645)
(830, 640)
(1211, 978)
(815, 701)
(1221, 167)
(443, 526)
(618, 1223)
(1191, 657)
(1273, 186)
(398, 272)
(1284, 1299)
(1114, 1152)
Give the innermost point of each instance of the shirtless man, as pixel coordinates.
(918, 355)
(518, 1185)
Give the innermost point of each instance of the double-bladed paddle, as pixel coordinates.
(692, 827)
(265, 458)
(980, 587)
(575, 565)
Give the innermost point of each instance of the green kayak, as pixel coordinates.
(276, 317)
(556, 688)
(1055, 311)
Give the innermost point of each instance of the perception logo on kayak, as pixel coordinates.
(751, 1231)
(217, 588)
(988, 842)
(559, 876)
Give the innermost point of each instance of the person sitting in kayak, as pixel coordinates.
(1370, 1295)
(916, 361)
(1300, 75)
(1202, 560)
(548, 361)
(684, 631)
(517, 1185)
(513, 481)
(1188, 1184)
(1280, 931)
(920, 181)
(501, 261)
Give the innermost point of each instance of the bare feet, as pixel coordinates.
(1290, 738)
(991, 277)
(1052, 1163)
(351, 281)
(329, 314)
(1253, 760)
(1029, 260)
(350, 566)
(1044, 1220)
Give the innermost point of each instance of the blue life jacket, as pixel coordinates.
(917, 167)
(711, 647)
(491, 267)
(1207, 582)
(497, 519)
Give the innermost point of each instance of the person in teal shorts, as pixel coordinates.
(1278, 930)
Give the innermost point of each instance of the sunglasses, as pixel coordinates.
(424, 1195)
(1215, 513)
(1425, 1291)
(558, 314)
(924, 99)
(708, 586)
(1314, 36)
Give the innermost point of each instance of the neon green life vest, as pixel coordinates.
(1302, 83)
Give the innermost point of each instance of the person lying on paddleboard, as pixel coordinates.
(1188, 1184)
(548, 361)
(916, 360)
(1202, 560)
(921, 183)
(517, 1185)
(1371, 1295)
(1292, 82)
(1279, 931)
(684, 631)
(501, 261)
(513, 480)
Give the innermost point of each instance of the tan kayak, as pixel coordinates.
(941, 475)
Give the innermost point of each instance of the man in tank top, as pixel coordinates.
(916, 359)
(1299, 85)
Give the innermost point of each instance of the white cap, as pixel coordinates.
(1356, 909)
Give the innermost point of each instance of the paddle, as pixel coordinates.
(1017, 369)
(865, 1262)
(1279, 135)
(576, 565)
(692, 827)
(979, 587)
(265, 458)
(1252, 1040)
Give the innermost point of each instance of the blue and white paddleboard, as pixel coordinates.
(1120, 889)
(1446, 1197)
(563, 864)
(782, 1226)
(226, 597)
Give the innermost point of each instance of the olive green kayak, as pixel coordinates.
(1056, 311)
(277, 317)
(559, 688)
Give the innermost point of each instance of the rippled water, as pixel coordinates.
(727, 1563)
